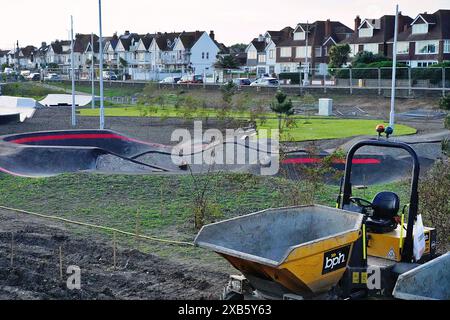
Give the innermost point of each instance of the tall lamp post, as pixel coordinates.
(102, 107)
(72, 63)
(394, 71)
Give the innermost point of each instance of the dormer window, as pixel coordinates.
(299, 36)
(420, 28)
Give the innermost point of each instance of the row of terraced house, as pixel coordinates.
(131, 53)
(422, 41)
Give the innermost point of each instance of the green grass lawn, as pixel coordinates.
(304, 129)
(320, 129)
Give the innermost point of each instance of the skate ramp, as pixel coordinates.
(61, 100)
(9, 106)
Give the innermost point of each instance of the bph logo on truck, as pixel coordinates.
(335, 260)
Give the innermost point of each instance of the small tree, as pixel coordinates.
(227, 62)
(228, 92)
(339, 55)
(282, 106)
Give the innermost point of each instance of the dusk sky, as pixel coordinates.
(34, 21)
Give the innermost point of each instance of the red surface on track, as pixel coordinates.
(78, 136)
(318, 160)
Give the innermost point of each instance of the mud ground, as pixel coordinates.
(35, 271)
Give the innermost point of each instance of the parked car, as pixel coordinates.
(9, 71)
(34, 77)
(170, 80)
(109, 75)
(242, 81)
(191, 79)
(198, 79)
(25, 73)
(265, 82)
(52, 77)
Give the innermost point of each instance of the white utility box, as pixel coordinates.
(325, 107)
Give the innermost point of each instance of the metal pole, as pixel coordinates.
(394, 71)
(306, 56)
(93, 70)
(351, 80)
(102, 110)
(409, 82)
(72, 62)
(443, 82)
(379, 81)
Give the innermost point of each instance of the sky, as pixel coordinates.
(233, 21)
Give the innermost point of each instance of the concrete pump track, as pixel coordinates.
(43, 154)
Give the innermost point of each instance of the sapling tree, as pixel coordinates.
(282, 107)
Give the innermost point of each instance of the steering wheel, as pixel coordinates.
(362, 203)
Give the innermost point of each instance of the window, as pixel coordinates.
(299, 36)
(262, 58)
(427, 47)
(286, 52)
(318, 51)
(325, 49)
(203, 55)
(272, 54)
(301, 52)
(403, 48)
(207, 55)
(447, 46)
(354, 49)
(420, 28)
(365, 32)
(251, 55)
(371, 47)
(425, 64)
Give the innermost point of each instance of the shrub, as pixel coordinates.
(435, 202)
(447, 122)
(444, 103)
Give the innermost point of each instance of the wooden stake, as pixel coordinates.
(162, 200)
(114, 250)
(12, 250)
(138, 222)
(60, 263)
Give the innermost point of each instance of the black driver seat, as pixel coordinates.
(386, 206)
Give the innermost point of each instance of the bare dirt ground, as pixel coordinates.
(35, 273)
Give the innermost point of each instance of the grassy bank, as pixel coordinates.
(108, 92)
(164, 203)
(28, 90)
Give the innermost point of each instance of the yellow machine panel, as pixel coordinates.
(387, 246)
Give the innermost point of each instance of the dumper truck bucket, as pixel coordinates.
(430, 281)
(304, 250)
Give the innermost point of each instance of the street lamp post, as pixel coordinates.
(93, 70)
(72, 63)
(102, 107)
(394, 71)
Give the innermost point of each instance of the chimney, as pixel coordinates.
(212, 35)
(260, 38)
(357, 23)
(127, 32)
(328, 28)
(43, 44)
(401, 22)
